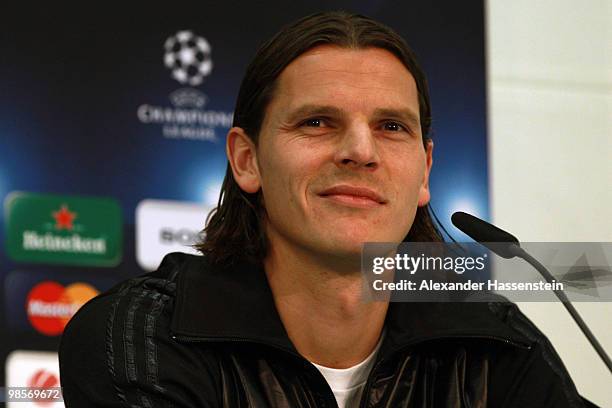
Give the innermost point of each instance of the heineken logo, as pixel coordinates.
(63, 229)
(34, 241)
(63, 218)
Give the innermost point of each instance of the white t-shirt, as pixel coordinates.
(347, 384)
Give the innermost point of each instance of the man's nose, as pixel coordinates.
(357, 147)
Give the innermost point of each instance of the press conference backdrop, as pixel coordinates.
(112, 132)
(550, 126)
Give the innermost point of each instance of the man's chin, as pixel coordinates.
(343, 253)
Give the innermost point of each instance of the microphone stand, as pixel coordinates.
(520, 252)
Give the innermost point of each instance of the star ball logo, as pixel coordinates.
(188, 56)
(63, 229)
(50, 305)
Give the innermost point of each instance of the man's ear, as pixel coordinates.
(424, 194)
(242, 157)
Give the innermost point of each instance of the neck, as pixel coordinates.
(322, 309)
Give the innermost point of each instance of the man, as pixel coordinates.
(329, 149)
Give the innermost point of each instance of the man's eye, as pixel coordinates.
(314, 122)
(393, 127)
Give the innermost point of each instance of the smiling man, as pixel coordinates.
(330, 149)
(340, 161)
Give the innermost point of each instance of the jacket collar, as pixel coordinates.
(236, 304)
(225, 303)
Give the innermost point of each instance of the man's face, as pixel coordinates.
(340, 156)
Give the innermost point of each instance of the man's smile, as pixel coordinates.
(353, 196)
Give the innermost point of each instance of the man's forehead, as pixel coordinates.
(327, 59)
(329, 73)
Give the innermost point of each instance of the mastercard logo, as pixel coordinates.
(50, 305)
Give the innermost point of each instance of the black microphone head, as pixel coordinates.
(496, 239)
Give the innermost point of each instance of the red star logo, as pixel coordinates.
(64, 218)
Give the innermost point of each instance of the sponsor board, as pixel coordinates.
(164, 226)
(32, 369)
(68, 230)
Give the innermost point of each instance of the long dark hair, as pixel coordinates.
(234, 229)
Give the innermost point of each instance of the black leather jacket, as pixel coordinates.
(189, 335)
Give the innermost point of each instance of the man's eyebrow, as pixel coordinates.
(400, 114)
(310, 110)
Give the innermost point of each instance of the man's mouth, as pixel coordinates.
(353, 196)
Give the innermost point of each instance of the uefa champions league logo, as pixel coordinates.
(188, 56)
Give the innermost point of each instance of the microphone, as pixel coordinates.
(497, 240)
(508, 246)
